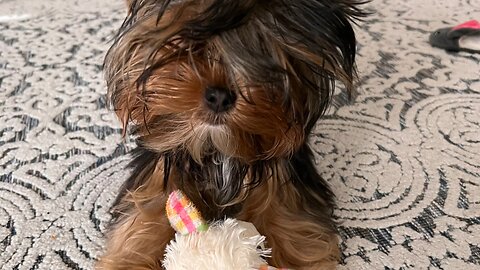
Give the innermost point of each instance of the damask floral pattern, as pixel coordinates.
(403, 157)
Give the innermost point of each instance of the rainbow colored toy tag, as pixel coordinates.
(183, 215)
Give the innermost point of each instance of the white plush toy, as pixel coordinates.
(229, 244)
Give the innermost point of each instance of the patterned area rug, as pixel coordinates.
(403, 158)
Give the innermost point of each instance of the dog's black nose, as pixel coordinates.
(219, 99)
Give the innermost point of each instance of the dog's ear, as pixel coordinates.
(124, 61)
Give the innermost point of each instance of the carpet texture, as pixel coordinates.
(403, 158)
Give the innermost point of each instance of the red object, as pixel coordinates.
(473, 24)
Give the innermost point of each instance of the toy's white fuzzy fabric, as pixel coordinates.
(229, 244)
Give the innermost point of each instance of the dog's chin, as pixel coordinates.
(208, 139)
(214, 121)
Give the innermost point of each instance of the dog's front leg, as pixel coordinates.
(138, 239)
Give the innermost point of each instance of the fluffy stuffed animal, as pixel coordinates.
(229, 244)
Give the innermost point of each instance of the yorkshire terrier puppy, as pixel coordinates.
(222, 96)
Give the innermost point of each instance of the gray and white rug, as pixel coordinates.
(403, 158)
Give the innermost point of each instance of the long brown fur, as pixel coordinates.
(297, 241)
(281, 58)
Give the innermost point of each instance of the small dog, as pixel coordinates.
(222, 96)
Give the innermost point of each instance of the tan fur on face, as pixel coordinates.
(168, 108)
(172, 115)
